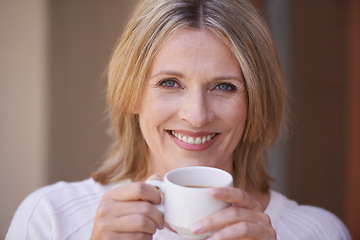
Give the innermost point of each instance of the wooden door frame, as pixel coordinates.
(353, 158)
(260, 5)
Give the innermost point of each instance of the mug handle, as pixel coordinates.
(160, 185)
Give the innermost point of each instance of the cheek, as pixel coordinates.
(238, 121)
(240, 115)
(158, 108)
(154, 113)
(234, 116)
(233, 112)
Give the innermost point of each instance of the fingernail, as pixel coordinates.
(216, 191)
(197, 228)
(155, 176)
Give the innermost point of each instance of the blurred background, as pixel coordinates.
(53, 123)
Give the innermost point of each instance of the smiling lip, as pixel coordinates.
(192, 142)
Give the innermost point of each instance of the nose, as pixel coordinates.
(196, 108)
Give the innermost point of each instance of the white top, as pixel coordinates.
(67, 211)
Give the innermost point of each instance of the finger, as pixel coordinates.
(135, 236)
(155, 176)
(235, 196)
(245, 230)
(144, 208)
(133, 192)
(111, 215)
(133, 223)
(229, 216)
(110, 208)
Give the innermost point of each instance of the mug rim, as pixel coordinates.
(228, 182)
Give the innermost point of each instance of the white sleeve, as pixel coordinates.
(32, 220)
(301, 222)
(310, 223)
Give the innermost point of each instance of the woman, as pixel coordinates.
(190, 82)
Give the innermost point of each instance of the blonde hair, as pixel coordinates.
(239, 25)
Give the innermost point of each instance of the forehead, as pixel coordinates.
(197, 48)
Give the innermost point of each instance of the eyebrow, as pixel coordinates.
(168, 73)
(180, 75)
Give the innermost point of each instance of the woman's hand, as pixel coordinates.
(243, 220)
(128, 212)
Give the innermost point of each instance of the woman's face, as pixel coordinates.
(194, 106)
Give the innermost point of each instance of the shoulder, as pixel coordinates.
(294, 221)
(57, 196)
(57, 210)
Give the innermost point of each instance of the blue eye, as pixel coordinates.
(226, 87)
(169, 83)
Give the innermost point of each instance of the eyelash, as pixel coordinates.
(229, 87)
(165, 81)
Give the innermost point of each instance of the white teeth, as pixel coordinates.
(191, 140)
(198, 140)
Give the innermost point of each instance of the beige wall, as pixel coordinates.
(82, 35)
(52, 110)
(319, 94)
(23, 102)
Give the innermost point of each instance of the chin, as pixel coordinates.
(187, 162)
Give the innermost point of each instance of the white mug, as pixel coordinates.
(187, 199)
